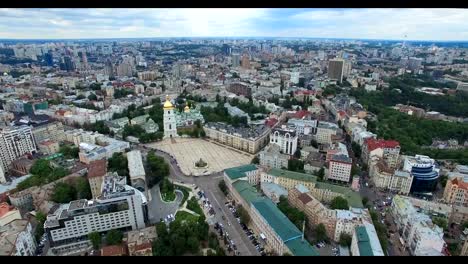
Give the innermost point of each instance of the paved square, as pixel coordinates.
(187, 151)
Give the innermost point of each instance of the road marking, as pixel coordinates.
(217, 177)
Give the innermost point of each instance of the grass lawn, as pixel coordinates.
(185, 216)
(185, 191)
(168, 196)
(193, 205)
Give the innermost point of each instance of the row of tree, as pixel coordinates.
(42, 173)
(65, 192)
(157, 169)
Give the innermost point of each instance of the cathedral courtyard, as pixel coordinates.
(188, 151)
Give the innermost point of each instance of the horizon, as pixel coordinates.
(431, 25)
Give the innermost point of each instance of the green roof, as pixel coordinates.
(353, 198)
(246, 191)
(239, 172)
(301, 248)
(276, 219)
(293, 175)
(363, 242)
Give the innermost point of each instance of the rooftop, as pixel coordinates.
(239, 172)
(246, 191)
(373, 143)
(301, 248)
(293, 175)
(363, 241)
(97, 168)
(244, 132)
(353, 198)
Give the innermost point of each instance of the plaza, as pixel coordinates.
(187, 151)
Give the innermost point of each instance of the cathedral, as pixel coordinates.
(170, 127)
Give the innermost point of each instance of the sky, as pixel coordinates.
(392, 24)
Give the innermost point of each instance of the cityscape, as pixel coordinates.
(234, 132)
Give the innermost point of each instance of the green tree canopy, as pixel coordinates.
(114, 237)
(339, 203)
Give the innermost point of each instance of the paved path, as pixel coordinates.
(158, 209)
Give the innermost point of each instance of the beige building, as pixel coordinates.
(340, 168)
(139, 242)
(251, 139)
(52, 131)
(96, 173)
(325, 131)
(8, 214)
(388, 178)
(456, 192)
(464, 251)
(389, 150)
(316, 213)
(48, 147)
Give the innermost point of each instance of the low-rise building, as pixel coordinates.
(140, 242)
(285, 138)
(48, 147)
(136, 170)
(340, 168)
(118, 207)
(365, 241)
(273, 191)
(456, 192)
(324, 133)
(420, 235)
(388, 150)
(271, 157)
(8, 214)
(17, 239)
(249, 139)
(388, 178)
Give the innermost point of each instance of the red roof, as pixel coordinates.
(4, 208)
(308, 92)
(116, 250)
(301, 114)
(342, 113)
(97, 168)
(373, 144)
(271, 122)
(460, 184)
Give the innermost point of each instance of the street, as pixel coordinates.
(158, 209)
(209, 184)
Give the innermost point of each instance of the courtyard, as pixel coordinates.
(187, 151)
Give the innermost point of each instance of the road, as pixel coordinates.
(158, 209)
(209, 184)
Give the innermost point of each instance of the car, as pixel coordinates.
(235, 247)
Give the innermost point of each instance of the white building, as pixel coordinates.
(271, 157)
(119, 207)
(365, 241)
(347, 220)
(285, 138)
(17, 239)
(14, 143)
(420, 235)
(136, 170)
(170, 122)
(340, 168)
(303, 126)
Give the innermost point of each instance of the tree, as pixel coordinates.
(69, 152)
(222, 186)
(255, 160)
(320, 233)
(339, 203)
(63, 193)
(314, 143)
(297, 154)
(296, 165)
(365, 200)
(41, 218)
(80, 96)
(158, 169)
(83, 190)
(243, 214)
(118, 163)
(92, 97)
(96, 239)
(441, 222)
(320, 174)
(114, 237)
(345, 240)
(356, 149)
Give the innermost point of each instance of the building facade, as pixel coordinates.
(272, 158)
(285, 138)
(340, 168)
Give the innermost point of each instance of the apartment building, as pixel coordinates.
(97, 170)
(389, 179)
(119, 207)
(420, 235)
(389, 150)
(365, 241)
(325, 131)
(456, 192)
(14, 143)
(271, 157)
(339, 168)
(51, 131)
(248, 139)
(17, 239)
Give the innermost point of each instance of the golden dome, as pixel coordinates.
(187, 109)
(168, 104)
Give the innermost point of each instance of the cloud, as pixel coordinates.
(421, 24)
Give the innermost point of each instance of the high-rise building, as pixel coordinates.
(414, 63)
(425, 173)
(49, 59)
(119, 206)
(245, 62)
(14, 143)
(226, 49)
(170, 123)
(336, 69)
(235, 60)
(68, 64)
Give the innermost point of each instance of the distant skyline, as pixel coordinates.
(95, 23)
